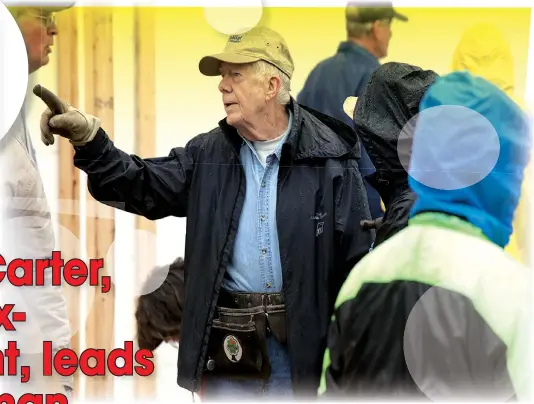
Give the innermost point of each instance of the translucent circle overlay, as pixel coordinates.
(73, 294)
(13, 70)
(455, 147)
(444, 355)
(148, 277)
(240, 17)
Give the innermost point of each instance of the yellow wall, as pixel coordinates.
(189, 103)
(430, 37)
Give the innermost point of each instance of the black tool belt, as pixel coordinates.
(238, 341)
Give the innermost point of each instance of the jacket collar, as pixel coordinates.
(350, 48)
(312, 135)
(451, 222)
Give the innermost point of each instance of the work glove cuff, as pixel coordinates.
(93, 125)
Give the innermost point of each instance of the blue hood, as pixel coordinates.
(455, 145)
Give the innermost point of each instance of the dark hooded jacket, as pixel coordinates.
(383, 112)
(343, 75)
(320, 203)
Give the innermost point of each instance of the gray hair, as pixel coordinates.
(265, 71)
(359, 30)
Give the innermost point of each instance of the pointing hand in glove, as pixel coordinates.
(64, 120)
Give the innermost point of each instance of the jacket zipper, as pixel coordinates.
(284, 269)
(204, 347)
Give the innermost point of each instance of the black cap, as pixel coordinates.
(370, 12)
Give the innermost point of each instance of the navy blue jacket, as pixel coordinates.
(327, 87)
(319, 209)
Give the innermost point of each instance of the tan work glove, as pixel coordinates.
(64, 120)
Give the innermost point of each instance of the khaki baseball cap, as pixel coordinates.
(260, 43)
(52, 8)
(56, 9)
(364, 13)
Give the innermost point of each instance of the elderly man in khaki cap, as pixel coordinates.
(273, 199)
(27, 224)
(263, 53)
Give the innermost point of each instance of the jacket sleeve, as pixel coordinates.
(154, 188)
(352, 206)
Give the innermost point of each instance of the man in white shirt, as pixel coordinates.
(27, 227)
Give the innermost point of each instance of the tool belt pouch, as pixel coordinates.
(276, 317)
(237, 346)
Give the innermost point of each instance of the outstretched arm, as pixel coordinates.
(154, 188)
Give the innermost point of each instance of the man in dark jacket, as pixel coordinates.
(273, 198)
(347, 72)
(384, 119)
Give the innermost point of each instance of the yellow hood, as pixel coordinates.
(484, 51)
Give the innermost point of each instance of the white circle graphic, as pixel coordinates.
(455, 147)
(444, 350)
(240, 17)
(13, 70)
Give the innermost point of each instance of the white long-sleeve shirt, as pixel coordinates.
(27, 232)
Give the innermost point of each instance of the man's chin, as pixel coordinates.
(231, 120)
(33, 67)
(44, 61)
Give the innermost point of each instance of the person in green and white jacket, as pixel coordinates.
(439, 310)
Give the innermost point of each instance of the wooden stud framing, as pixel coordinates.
(145, 146)
(100, 231)
(69, 191)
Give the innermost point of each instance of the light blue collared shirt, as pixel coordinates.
(255, 263)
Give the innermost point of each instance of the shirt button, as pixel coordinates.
(268, 284)
(263, 184)
(262, 218)
(264, 251)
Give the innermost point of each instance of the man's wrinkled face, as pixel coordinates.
(38, 29)
(244, 95)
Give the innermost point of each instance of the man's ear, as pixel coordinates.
(376, 26)
(349, 106)
(274, 87)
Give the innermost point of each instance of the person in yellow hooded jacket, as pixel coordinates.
(484, 51)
